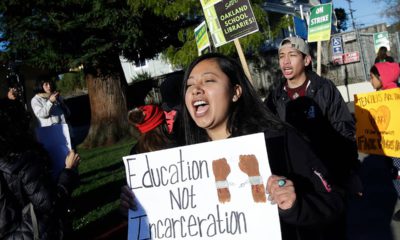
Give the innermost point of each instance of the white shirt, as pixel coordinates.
(48, 113)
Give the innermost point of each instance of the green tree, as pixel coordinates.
(71, 82)
(61, 34)
(181, 55)
(342, 18)
(392, 9)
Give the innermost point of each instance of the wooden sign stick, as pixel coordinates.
(243, 60)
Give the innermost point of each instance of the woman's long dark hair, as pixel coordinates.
(247, 115)
(156, 139)
(39, 84)
(375, 71)
(15, 135)
(382, 53)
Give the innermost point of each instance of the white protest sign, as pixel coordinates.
(199, 191)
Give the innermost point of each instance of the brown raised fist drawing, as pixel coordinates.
(221, 171)
(249, 165)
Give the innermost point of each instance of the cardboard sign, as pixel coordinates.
(200, 191)
(229, 20)
(319, 28)
(202, 40)
(377, 125)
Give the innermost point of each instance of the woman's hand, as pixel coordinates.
(72, 160)
(127, 200)
(53, 97)
(281, 191)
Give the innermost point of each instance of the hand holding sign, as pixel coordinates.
(126, 200)
(284, 196)
(182, 181)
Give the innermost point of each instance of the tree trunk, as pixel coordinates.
(107, 96)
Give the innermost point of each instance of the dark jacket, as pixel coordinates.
(318, 203)
(25, 179)
(323, 117)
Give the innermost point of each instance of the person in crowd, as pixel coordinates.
(220, 103)
(315, 107)
(385, 75)
(154, 133)
(166, 133)
(171, 104)
(32, 204)
(48, 105)
(13, 101)
(12, 93)
(50, 109)
(382, 55)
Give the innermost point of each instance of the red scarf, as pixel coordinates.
(153, 116)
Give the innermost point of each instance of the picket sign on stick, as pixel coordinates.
(319, 28)
(319, 45)
(243, 59)
(228, 21)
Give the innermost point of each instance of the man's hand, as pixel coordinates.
(12, 93)
(72, 160)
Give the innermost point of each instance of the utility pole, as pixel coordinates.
(358, 40)
(289, 3)
(351, 14)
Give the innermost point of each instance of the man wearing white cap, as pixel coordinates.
(314, 106)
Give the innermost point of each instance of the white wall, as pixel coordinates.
(354, 88)
(155, 67)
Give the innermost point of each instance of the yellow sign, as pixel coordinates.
(208, 3)
(377, 122)
(201, 36)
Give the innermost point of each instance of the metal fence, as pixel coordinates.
(364, 44)
(266, 72)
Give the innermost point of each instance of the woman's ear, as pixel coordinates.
(237, 93)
